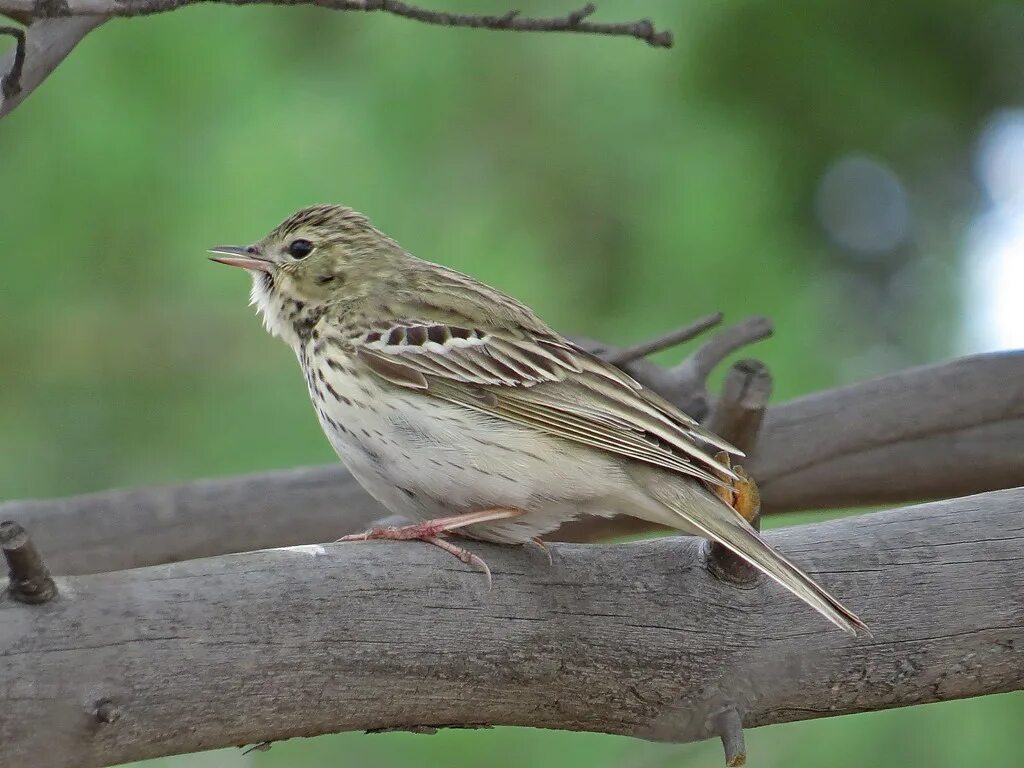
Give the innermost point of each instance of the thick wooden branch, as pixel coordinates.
(636, 639)
(944, 430)
(938, 431)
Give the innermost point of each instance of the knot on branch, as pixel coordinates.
(10, 84)
(45, 9)
(106, 712)
(30, 581)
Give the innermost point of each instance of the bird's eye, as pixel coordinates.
(300, 249)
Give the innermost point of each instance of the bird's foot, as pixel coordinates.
(432, 531)
(742, 495)
(538, 541)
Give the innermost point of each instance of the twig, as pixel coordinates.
(686, 384)
(571, 22)
(665, 341)
(10, 84)
(512, 21)
(738, 413)
(30, 581)
(700, 364)
(729, 728)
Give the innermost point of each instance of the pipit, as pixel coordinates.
(455, 405)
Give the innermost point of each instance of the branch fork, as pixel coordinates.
(30, 580)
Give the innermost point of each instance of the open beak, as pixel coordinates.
(246, 257)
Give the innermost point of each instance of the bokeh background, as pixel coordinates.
(853, 170)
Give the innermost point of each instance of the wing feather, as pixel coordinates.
(548, 384)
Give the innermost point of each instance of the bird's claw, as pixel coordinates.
(544, 548)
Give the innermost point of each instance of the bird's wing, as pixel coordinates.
(545, 382)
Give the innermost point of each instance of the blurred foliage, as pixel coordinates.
(619, 190)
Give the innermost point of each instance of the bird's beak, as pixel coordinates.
(247, 257)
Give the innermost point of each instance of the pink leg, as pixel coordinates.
(431, 532)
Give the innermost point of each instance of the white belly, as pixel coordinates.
(424, 458)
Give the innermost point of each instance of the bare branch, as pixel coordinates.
(297, 642)
(58, 25)
(571, 22)
(738, 413)
(511, 21)
(666, 341)
(701, 363)
(685, 385)
(47, 43)
(943, 430)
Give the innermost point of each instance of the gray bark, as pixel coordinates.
(943, 430)
(634, 639)
(47, 43)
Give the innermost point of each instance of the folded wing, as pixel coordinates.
(511, 375)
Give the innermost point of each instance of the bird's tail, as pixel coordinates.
(717, 521)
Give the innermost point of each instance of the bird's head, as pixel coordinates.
(316, 257)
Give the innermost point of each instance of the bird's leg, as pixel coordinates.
(432, 531)
(742, 495)
(435, 527)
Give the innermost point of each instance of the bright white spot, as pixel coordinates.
(313, 550)
(1000, 158)
(995, 241)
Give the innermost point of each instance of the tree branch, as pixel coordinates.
(511, 21)
(58, 25)
(297, 642)
(47, 43)
(943, 430)
(10, 83)
(668, 340)
(684, 384)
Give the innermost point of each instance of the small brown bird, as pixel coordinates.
(455, 405)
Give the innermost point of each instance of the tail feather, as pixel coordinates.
(719, 522)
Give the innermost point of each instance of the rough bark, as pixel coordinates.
(943, 430)
(634, 639)
(47, 43)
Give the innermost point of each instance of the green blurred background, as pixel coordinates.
(853, 170)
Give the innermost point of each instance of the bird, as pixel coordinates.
(456, 406)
